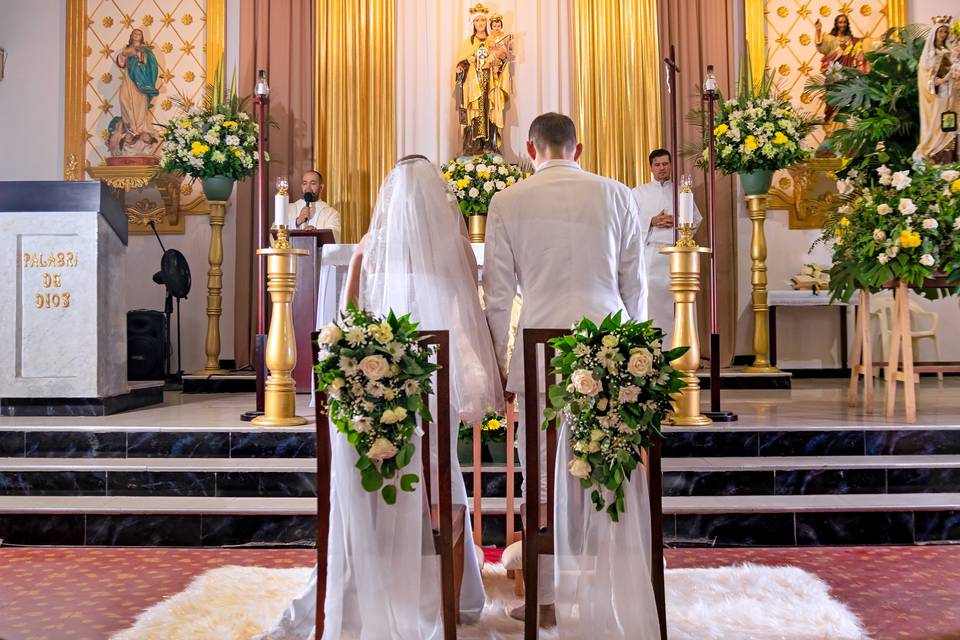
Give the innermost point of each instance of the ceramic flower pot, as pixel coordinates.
(497, 452)
(756, 183)
(218, 188)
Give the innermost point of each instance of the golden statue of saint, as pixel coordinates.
(483, 82)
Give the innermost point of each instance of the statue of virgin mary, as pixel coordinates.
(477, 82)
(939, 85)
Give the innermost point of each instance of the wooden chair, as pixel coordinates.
(538, 540)
(446, 518)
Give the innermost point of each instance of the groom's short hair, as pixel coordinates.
(553, 131)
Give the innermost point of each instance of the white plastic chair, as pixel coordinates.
(883, 310)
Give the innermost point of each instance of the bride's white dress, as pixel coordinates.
(383, 573)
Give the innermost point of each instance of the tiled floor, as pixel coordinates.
(901, 593)
(813, 403)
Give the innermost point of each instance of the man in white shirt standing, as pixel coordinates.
(655, 202)
(310, 212)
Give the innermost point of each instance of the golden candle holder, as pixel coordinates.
(279, 396)
(757, 208)
(218, 214)
(685, 285)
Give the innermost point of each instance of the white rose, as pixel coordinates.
(584, 382)
(382, 449)
(468, 167)
(488, 186)
(473, 192)
(927, 260)
(845, 210)
(641, 362)
(884, 209)
(331, 334)
(907, 207)
(610, 340)
(883, 258)
(502, 171)
(362, 424)
(892, 251)
(844, 187)
(901, 180)
(629, 394)
(481, 168)
(579, 468)
(501, 185)
(374, 367)
(930, 223)
(950, 175)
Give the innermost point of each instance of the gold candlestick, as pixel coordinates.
(218, 213)
(685, 284)
(279, 398)
(757, 207)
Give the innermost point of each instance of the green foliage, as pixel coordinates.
(879, 109)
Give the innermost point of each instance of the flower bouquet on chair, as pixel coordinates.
(376, 375)
(615, 390)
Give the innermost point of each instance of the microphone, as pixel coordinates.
(309, 197)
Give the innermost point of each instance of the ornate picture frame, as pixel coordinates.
(188, 38)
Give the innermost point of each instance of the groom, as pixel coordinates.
(571, 241)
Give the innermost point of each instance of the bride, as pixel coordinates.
(384, 576)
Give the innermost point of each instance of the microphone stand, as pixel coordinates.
(710, 96)
(261, 101)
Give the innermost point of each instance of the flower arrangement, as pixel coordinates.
(492, 429)
(759, 131)
(474, 180)
(615, 390)
(216, 139)
(900, 225)
(376, 375)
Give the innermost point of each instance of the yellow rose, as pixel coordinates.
(955, 187)
(229, 123)
(838, 232)
(844, 222)
(462, 183)
(446, 176)
(720, 130)
(779, 138)
(909, 239)
(750, 142)
(198, 148)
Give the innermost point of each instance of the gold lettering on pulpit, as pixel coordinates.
(51, 279)
(61, 259)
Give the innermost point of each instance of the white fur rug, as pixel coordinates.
(746, 602)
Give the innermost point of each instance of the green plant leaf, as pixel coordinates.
(389, 493)
(408, 482)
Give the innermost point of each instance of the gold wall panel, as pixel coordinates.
(180, 32)
(781, 37)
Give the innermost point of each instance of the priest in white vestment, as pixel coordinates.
(310, 211)
(655, 202)
(571, 241)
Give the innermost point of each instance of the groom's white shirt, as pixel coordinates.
(572, 242)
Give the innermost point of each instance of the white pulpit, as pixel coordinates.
(63, 345)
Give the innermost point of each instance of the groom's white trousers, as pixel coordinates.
(546, 587)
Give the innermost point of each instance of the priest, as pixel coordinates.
(655, 204)
(311, 212)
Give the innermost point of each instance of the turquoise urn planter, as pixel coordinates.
(218, 188)
(756, 183)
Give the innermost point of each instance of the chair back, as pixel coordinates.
(543, 523)
(444, 531)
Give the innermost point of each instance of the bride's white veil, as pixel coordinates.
(416, 259)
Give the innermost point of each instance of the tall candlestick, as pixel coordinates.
(280, 202)
(685, 215)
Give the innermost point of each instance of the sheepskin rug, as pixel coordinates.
(745, 602)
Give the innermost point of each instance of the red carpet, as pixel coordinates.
(53, 593)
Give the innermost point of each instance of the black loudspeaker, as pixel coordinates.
(147, 348)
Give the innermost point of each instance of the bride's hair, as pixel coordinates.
(413, 156)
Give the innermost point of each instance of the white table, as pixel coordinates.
(807, 298)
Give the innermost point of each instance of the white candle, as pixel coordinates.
(280, 202)
(686, 207)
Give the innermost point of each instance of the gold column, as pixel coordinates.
(74, 142)
(618, 122)
(685, 285)
(754, 18)
(279, 400)
(757, 209)
(218, 212)
(355, 114)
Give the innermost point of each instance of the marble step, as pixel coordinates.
(704, 521)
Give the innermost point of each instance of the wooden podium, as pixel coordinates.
(305, 299)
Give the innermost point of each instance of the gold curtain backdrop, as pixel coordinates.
(355, 110)
(617, 86)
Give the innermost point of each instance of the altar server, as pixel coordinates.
(655, 202)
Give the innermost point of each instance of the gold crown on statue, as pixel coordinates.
(496, 18)
(479, 8)
(941, 19)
